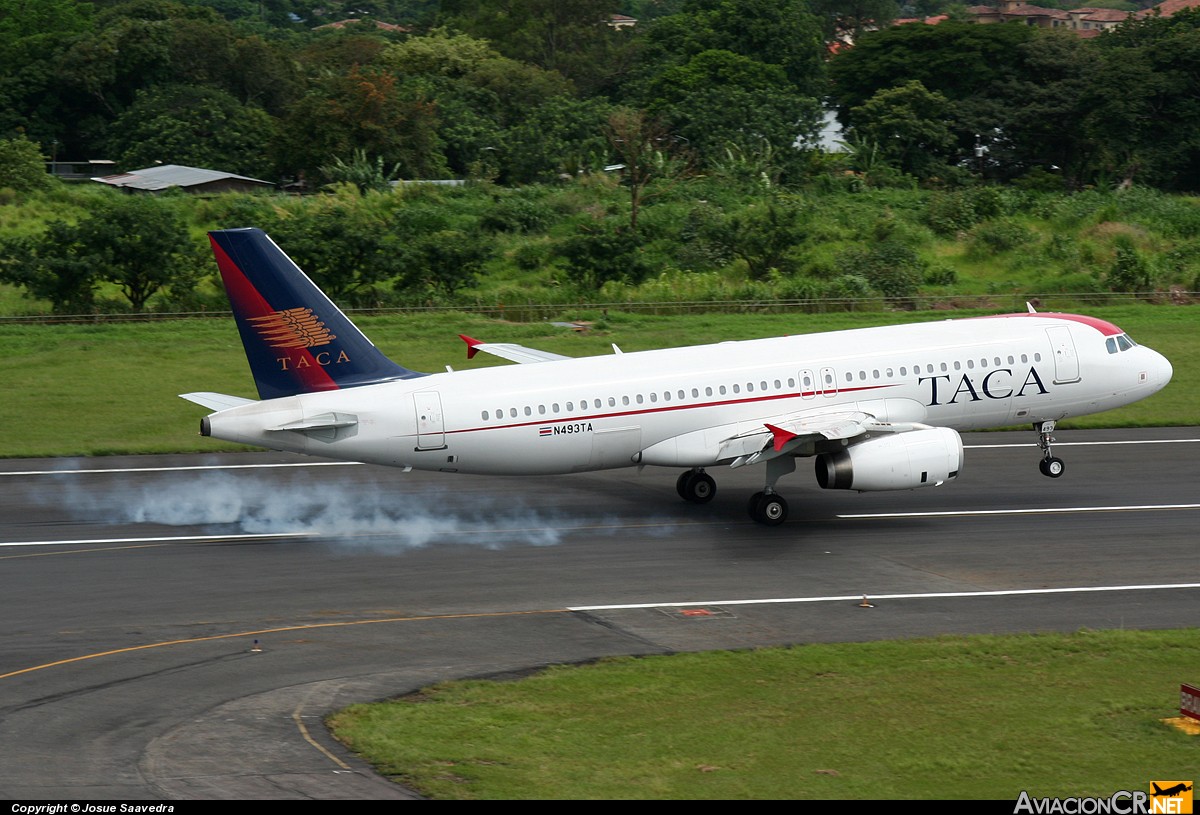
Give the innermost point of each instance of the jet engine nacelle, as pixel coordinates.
(903, 461)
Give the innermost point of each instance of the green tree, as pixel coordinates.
(445, 261)
(135, 242)
(22, 165)
(648, 153)
(765, 237)
(909, 125)
(142, 245)
(848, 19)
(958, 60)
(567, 36)
(53, 266)
(718, 98)
(366, 108)
(774, 32)
(563, 136)
(597, 254)
(195, 126)
(349, 250)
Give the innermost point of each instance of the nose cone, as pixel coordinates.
(1160, 371)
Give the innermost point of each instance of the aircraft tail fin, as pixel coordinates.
(296, 339)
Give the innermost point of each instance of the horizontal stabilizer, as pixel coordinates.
(510, 351)
(215, 401)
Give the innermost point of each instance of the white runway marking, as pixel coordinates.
(844, 598)
(1081, 443)
(1045, 511)
(115, 470)
(171, 539)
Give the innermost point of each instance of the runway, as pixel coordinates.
(176, 627)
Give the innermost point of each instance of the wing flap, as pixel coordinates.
(787, 437)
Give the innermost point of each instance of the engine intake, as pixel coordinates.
(902, 461)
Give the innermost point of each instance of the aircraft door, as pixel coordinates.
(829, 382)
(1066, 361)
(808, 384)
(431, 433)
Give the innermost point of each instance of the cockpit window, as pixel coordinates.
(1121, 342)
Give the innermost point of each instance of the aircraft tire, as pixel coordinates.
(770, 509)
(696, 487)
(1052, 467)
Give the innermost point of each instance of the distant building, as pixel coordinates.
(78, 170)
(192, 179)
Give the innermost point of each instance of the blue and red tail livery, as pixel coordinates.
(296, 339)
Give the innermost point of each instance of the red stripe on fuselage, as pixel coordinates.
(249, 302)
(1103, 326)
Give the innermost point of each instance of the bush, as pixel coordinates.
(22, 165)
(1129, 271)
(999, 235)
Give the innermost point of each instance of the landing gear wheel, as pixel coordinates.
(1052, 467)
(769, 509)
(696, 486)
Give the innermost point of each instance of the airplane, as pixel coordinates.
(1170, 792)
(875, 408)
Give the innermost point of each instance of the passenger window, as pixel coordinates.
(485, 415)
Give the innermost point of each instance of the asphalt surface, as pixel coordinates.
(177, 627)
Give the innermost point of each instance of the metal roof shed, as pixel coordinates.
(192, 179)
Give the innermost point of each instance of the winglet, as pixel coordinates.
(472, 345)
(781, 436)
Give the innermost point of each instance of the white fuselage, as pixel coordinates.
(674, 407)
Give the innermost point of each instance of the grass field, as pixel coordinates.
(978, 718)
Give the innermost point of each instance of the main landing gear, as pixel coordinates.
(1050, 465)
(696, 486)
(766, 507)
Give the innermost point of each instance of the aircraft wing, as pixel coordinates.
(789, 436)
(215, 401)
(509, 351)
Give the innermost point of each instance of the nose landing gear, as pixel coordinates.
(1050, 465)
